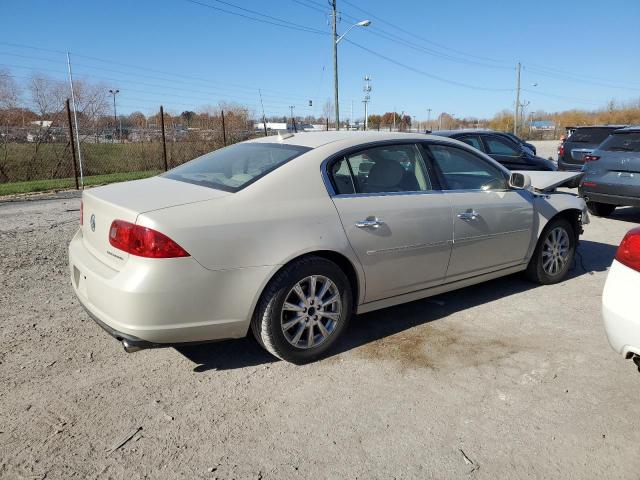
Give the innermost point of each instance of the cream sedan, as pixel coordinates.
(290, 235)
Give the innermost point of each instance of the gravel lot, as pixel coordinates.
(500, 380)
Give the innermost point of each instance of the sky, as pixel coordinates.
(457, 57)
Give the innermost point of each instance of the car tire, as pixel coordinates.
(554, 253)
(303, 335)
(600, 209)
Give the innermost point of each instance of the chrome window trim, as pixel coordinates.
(324, 166)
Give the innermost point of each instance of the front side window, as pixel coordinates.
(462, 170)
(387, 169)
(233, 168)
(498, 146)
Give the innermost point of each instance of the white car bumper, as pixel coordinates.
(620, 309)
(165, 301)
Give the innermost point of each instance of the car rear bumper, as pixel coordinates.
(569, 167)
(157, 302)
(620, 304)
(591, 196)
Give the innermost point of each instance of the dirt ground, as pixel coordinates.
(501, 380)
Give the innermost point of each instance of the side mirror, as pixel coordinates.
(519, 181)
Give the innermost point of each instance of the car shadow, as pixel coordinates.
(626, 214)
(370, 327)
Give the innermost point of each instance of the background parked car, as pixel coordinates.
(501, 148)
(581, 142)
(620, 298)
(519, 141)
(612, 173)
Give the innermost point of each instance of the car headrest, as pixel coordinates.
(385, 175)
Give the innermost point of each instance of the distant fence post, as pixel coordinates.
(164, 140)
(73, 145)
(327, 124)
(264, 124)
(224, 130)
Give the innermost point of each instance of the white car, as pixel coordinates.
(620, 303)
(290, 235)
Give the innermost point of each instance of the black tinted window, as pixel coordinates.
(234, 167)
(499, 146)
(622, 142)
(463, 170)
(473, 141)
(589, 135)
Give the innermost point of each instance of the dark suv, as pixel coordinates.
(501, 148)
(612, 173)
(581, 142)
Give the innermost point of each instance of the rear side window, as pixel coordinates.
(589, 135)
(387, 169)
(622, 142)
(463, 170)
(473, 141)
(233, 168)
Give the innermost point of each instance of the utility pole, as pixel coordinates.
(293, 121)
(75, 120)
(515, 117)
(115, 116)
(428, 118)
(334, 38)
(367, 97)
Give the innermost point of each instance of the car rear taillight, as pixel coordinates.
(561, 150)
(143, 241)
(629, 250)
(81, 212)
(590, 158)
(589, 184)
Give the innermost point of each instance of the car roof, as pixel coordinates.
(318, 139)
(466, 131)
(630, 128)
(613, 127)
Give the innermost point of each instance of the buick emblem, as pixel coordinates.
(92, 222)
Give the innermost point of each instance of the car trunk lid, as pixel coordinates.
(126, 201)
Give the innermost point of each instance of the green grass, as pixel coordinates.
(66, 183)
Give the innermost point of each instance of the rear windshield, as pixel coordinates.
(233, 168)
(590, 135)
(622, 142)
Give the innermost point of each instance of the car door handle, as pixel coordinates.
(369, 222)
(468, 215)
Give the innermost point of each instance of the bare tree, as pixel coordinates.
(9, 90)
(47, 94)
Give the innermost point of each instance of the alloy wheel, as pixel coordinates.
(311, 311)
(555, 251)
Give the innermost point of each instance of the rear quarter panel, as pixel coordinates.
(283, 215)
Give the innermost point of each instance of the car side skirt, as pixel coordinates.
(429, 292)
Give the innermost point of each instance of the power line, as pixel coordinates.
(429, 75)
(284, 23)
(407, 43)
(406, 32)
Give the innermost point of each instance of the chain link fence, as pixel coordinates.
(41, 156)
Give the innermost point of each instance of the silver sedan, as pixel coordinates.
(289, 236)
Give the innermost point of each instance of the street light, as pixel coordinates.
(336, 39)
(115, 116)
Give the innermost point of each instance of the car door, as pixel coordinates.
(492, 224)
(396, 219)
(505, 152)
